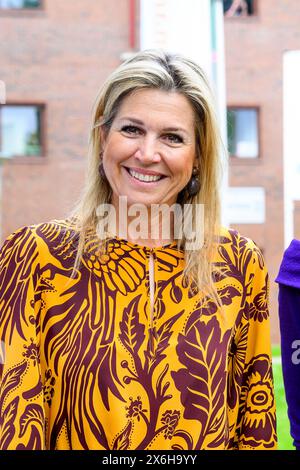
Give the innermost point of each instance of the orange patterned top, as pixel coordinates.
(85, 365)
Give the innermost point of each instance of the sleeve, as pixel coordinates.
(257, 413)
(22, 420)
(289, 320)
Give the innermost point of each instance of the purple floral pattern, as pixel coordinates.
(170, 419)
(257, 404)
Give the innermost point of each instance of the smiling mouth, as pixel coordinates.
(144, 178)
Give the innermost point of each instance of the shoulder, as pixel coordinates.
(55, 227)
(239, 251)
(53, 236)
(233, 239)
(289, 272)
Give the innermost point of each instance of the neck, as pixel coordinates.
(149, 226)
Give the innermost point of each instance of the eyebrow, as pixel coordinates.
(166, 129)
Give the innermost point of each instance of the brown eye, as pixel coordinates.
(174, 138)
(131, 130)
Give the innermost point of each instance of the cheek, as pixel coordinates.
(181, 169)
(118, 149)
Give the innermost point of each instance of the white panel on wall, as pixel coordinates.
(182, 26)
(246, 205)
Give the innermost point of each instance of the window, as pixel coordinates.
(242, 132)
(20, 4)
(238, 8)
(20, 130)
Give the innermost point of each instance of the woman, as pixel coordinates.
(289, 319)
(118, 339)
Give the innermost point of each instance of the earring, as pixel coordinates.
(193, 185)
(100, 168)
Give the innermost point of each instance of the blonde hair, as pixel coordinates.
(159, 70)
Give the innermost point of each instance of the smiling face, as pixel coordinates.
(150, 150)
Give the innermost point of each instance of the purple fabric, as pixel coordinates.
(289, 318)
(289, 272)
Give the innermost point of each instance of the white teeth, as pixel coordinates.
(141, 177)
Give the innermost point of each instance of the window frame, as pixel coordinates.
(23, 11)
(252, 17)
(248, 160)
(29, 158)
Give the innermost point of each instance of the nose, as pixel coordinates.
(147, 151)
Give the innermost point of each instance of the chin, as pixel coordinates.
(144, 201)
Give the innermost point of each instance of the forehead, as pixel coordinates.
(157, 103)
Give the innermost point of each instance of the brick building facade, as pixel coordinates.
(255, 46)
